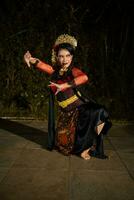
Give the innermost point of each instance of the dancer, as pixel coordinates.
(81, 124)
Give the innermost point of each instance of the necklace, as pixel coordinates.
(62, 71)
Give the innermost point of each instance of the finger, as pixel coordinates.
(28, 54)
(28, 63)
(58, 90)
(54, 84)
(51, 84)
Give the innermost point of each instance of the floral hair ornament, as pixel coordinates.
(64, 38)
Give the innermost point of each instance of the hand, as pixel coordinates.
(59, 87)
(29, 59)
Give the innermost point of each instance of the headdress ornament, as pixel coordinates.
(64, 38)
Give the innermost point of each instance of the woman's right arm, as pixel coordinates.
(39, 64)
(44, 67)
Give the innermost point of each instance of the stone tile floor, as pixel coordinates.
(29, 172)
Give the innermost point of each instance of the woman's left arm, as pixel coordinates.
(79, 78)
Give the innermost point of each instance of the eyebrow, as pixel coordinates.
(65, 55)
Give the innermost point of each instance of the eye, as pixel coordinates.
(68, 55)
(60, 56)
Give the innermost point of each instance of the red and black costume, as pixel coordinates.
(77, 119)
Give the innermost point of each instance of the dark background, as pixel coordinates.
(105, 33)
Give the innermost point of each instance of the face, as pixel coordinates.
(64, 58)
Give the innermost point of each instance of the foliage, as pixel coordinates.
(105, 52)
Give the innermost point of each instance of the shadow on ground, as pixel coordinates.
(23, 130)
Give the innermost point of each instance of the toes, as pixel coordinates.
(85, 156)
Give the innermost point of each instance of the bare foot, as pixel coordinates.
(85, 154)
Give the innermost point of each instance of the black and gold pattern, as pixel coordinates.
(65, 133)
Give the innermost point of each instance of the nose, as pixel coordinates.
(64, 59)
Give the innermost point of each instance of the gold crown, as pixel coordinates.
(64, 38)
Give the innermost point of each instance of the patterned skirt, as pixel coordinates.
(65, 132)
(76, 129)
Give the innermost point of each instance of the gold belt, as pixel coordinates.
(68, 101)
